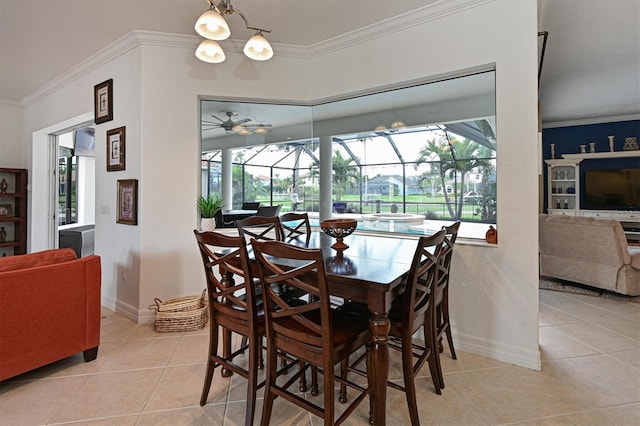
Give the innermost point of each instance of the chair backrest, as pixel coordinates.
(260, 228)
(285, 321)
(251, 205)
(269, 210)
(229, 253)
(421, 281)
(451, 233)
(295, 226)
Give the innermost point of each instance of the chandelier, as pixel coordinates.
(212, 26)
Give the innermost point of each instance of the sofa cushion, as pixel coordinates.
(41, 258)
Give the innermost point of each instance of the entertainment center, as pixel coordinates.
(598, 190)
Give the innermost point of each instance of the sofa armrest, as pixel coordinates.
(93, 280)
(634, 253)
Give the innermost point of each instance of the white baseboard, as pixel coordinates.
(496, 351)
(139, 316)
(109, 303)
(490, 349)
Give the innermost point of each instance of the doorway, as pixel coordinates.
(75, 204)
(44, 180)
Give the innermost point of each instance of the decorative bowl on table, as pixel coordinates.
(338, 229)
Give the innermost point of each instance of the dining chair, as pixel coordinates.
(314, 333)
(413, 310)
(295, 226)
(269, 228)
(443, 324)
(269, 210)
(260, 227)
(232, 308)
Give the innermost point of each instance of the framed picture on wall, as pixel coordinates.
(127, 201)
(115, 149)
(103, 101)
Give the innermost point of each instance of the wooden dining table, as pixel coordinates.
(371, 272)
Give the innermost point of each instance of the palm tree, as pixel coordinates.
(438, 149)
(456, 158)
(344, 174)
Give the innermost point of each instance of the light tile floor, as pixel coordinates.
(591, 376)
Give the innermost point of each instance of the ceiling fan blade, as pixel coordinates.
(244, 120)
(258, 125)
(217, 118)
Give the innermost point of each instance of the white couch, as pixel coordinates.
(589, 251)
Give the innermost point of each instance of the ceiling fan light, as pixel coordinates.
(261, 130)
(258, 48)
(211, 25)
(380, 128)
(210, 51)
(398, 124)
(244, 131)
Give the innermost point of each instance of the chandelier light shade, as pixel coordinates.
(212, 26)
(210, 51)
(258, 48)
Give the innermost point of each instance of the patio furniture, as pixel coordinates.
(268, 211)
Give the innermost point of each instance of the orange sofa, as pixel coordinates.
(49, 309)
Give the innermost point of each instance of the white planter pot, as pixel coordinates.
(207, 224)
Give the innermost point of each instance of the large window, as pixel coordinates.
(419, 155)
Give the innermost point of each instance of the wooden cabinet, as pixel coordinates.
(13, 211)
(563, 186)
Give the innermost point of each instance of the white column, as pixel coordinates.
(326, 156)
(227, 187)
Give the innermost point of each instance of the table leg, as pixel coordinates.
(379, 364)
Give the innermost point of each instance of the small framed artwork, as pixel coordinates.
(127, 201)
(6, 210)
(115, 149)
(103, 101)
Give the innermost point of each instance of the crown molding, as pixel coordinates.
(93, 62)
(137, 38)
(391, 25)
(587, 121)
(10, 102)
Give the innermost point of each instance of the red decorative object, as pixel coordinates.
(492, 235)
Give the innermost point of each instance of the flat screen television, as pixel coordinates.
(612, 189)
(84, 143)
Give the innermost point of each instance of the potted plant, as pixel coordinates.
(208, 207)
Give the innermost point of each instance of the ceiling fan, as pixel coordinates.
(232, 126)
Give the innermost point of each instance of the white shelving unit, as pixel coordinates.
(563, 186)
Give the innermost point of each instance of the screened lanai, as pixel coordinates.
(395, 171)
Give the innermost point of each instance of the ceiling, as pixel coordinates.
(591, 65)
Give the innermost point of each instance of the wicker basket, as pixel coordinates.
(181, 314)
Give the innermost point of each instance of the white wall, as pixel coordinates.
(11, 150)
(156, 88)
(68, 106)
